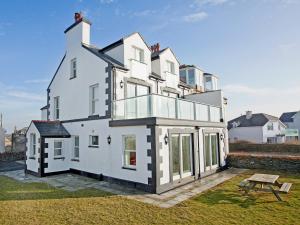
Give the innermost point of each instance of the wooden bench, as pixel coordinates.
(285, 188)
(244, 184)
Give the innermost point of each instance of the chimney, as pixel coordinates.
(155, 48)
(248, 115)
(78, 32)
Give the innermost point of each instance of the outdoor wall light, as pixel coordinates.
(222, 137)
(109, 139)
(121, 84)
(166, 139)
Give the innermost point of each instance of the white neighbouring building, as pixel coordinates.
(122, 114)
(257, 128)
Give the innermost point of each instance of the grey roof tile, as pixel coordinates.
(53, 129)
(287, 117)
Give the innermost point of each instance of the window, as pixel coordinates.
(32, 144)
(182, 74)
(138, 54)
(170, 67)
(270, 126)
(57, 148)
(73, 68)
(191, 77)
(94, 98)
(76, 147)
(56, 108)
(129, 142)
(94, 141)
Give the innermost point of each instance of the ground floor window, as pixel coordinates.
(76, 147)
(129, 143)
(211, 151)
(32, 144)
(57, 148)
(94, 141)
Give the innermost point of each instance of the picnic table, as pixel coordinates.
(268, 180)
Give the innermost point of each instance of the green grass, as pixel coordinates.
(38, 203)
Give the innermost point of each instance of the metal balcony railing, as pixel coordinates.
(154, 105)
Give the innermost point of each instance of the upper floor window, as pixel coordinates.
(191, 77)
(94, 99)
(73, 68)
(32, 144)
(182, 74)
(138, 54)
(270, 126)
(170, 67)
(56, 108)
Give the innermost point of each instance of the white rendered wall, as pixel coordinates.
(32, 163)
(272, 133)
(252, 134)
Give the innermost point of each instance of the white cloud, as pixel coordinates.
(25, 95)
(147, 12)
(210, 2)
(106, 1)
(36, 81)
(195, 17)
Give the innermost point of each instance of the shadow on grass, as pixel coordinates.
(11, 189)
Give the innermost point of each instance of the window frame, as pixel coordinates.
(270, 126)
(32, 145)
(133, 167)
(91, 141)
(93, 99)
(73, 69)
(76, 147)
(55, 148)
(56, 107)
(140, 57)
(172, 66)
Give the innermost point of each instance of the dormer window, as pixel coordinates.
(170, 67)
(73, 68)
(138, 54)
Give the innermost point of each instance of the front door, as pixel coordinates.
(211, 145)
(181, 145)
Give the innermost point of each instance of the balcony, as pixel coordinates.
(154, 105)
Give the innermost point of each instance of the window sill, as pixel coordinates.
(32, 157)
(71, 78)
(128, 168)
(93, 146)
(139, 61)
(57, 158)
(75, 160)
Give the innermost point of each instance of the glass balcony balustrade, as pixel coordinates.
(154, 105)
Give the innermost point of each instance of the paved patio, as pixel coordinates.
(73, 182)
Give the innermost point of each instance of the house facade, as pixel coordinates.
(121, 114)
(257, 128)
(292, 121)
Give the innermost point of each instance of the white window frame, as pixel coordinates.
(55, 148)
(138, 54)
(270, 126)
(93, 99)
(129, 150)
(32, 144)
(91, 141)
(73, 68)
(76, 148)
(56, 107)
(170, 67)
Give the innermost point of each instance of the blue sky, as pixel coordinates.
(252, 45)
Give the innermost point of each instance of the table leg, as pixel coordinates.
(275, 193)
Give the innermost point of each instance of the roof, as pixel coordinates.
(51, 129)
(98, 52)
(287, 117)
(45, 107)
(257, 120)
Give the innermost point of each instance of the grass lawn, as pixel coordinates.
(38, 203)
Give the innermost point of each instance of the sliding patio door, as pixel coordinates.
(211, 151)
(181, 145)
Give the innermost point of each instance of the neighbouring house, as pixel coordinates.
(292, 121)
(2, 140)
(256, 128)
(8, 142)
(120, 113)
(18, 140)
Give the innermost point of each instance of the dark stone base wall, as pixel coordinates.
(288, 164)
(249, 147)
(12, 156)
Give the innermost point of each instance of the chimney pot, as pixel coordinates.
(78, 17)
(155, 48)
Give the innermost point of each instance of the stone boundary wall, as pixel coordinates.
(249, 147)
(12, 156)
(249, 161)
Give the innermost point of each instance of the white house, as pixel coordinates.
(120, 113)
(292, 121)
(256, 128)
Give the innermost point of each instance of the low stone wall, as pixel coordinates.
(252, 161)
(12, 156)
(249, 147)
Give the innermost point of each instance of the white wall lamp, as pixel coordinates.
(166, 138)
(109, 139)
(121, 84)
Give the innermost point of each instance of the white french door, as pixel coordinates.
(211, 151)
(181, 145)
